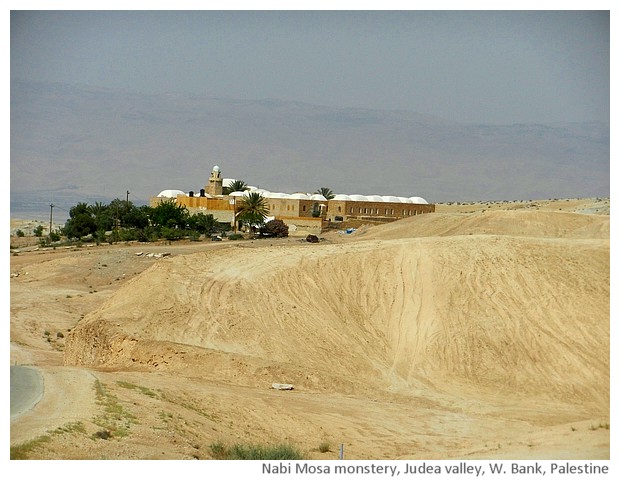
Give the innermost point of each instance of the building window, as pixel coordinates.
(339, 210)
(304, 208)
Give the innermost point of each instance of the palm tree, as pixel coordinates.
(326, 192)
(236, 186)
(252, 209)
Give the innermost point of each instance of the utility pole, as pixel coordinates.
(51, 209)
(127, 201)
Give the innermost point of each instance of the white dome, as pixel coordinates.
(374, 198)
(227, 181)
(318, 196)
(236, 194)
(170, 193)
(418, 200)
(216, 169)
(341, 196)
(359, 198)
(273, 195)
(390, 199)
(300, 196)
(403, 200)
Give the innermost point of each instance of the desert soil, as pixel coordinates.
(481, 331)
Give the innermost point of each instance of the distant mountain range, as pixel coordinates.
(74, 143)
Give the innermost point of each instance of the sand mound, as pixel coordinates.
(520, 223)
(455, 313)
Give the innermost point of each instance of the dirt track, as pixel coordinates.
(450, 335)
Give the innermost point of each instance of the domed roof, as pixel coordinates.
(403, 200)
(275, 195)
(170, 193)
(418, 200)
(358, 198)
(300, 196)
(318, 196)
(216, 168)
(374, 198)
(261, 191)
(390, 199)
(341, 196)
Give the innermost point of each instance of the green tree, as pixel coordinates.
(81, 221)
(236, 186)
(169, 214)
(326, 192)
(202, 223)
(104, 219)
(137, 217)
(80, 224)
(38, 231)
(252, 209)
(80, 208)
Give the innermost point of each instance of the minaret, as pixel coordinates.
(214, 188)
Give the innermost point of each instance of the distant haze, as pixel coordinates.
(71, 144)
(449, 106)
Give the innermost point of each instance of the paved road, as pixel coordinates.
(26, 389)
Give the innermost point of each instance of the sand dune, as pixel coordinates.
(448, 335)
(462, 314)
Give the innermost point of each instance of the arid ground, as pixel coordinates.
(481, 331)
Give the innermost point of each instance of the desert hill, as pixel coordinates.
(448, 335)
(491, 311)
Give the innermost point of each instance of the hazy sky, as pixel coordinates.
(470, 66)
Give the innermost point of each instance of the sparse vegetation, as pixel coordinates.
(70, 428)
(115, 419)
(143, 390)
(324, 447)
(219, 451)
(23, 451)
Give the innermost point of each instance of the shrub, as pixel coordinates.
(255, 452)
(275, 228)
(324, 447)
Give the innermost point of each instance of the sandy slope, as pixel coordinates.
(481, 335)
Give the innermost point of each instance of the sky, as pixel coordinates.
(490, 67)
